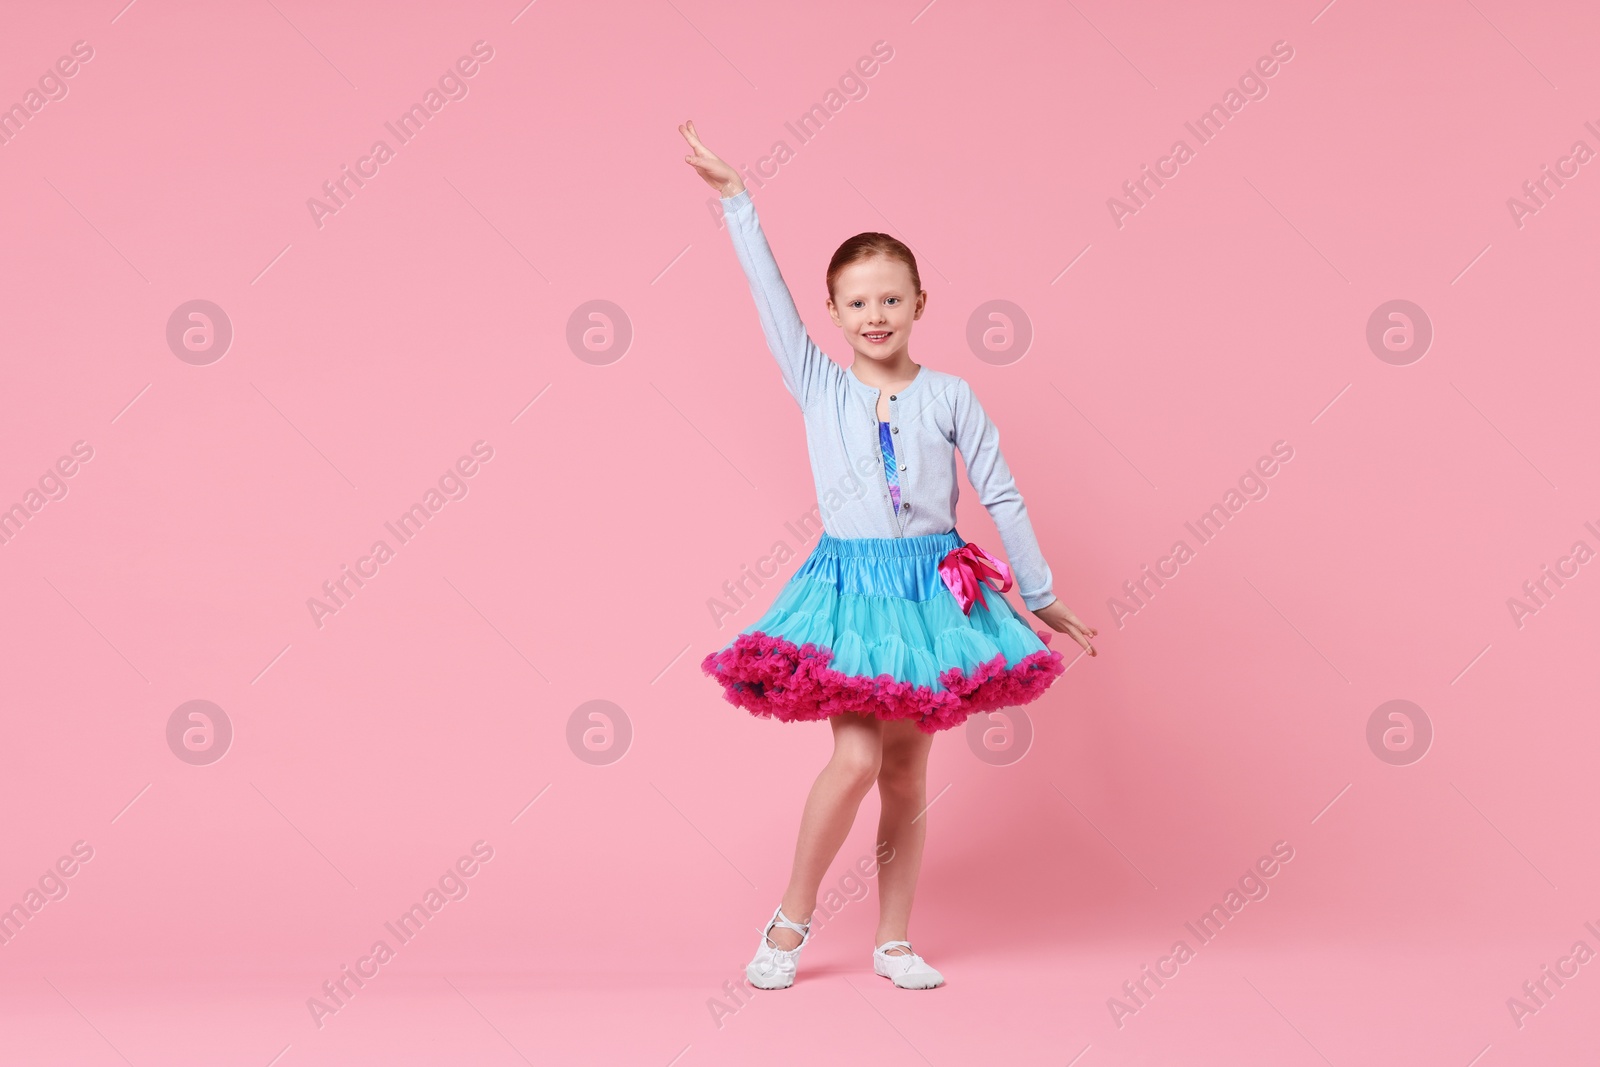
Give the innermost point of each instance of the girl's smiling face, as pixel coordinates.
(874, 304)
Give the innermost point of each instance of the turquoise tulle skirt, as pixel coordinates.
(867, 625)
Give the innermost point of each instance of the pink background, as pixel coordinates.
(432, 310)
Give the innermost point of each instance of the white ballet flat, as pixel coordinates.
(773, 967)
(907, 970)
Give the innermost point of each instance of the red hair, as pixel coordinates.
(865, 246)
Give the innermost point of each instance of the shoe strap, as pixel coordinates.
(780, 919)
(887, 945)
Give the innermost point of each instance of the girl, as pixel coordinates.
(884, 630)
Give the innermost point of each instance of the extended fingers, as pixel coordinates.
(1081, 634)
(1073, 620)
(700, 150)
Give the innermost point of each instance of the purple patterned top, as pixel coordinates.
(890, 464)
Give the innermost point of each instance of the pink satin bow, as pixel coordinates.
(965, 571)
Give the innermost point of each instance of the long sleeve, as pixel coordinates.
(804, 366)
(979, 441)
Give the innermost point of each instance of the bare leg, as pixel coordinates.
(829, 813)
(903, 792)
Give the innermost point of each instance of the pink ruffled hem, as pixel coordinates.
(776, 678)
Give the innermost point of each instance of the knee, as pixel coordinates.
(900, 777)
(859, 765)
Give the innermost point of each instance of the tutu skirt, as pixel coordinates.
(867, 625)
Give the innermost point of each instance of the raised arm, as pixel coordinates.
(805, 367)
(979, 441)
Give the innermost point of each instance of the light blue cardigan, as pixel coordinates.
(930, 419)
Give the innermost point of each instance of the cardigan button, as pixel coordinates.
(891, 396)
(894, 429)
(905, 507)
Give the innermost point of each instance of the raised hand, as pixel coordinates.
(721, 177)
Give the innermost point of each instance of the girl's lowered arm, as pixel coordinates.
(979, 441)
